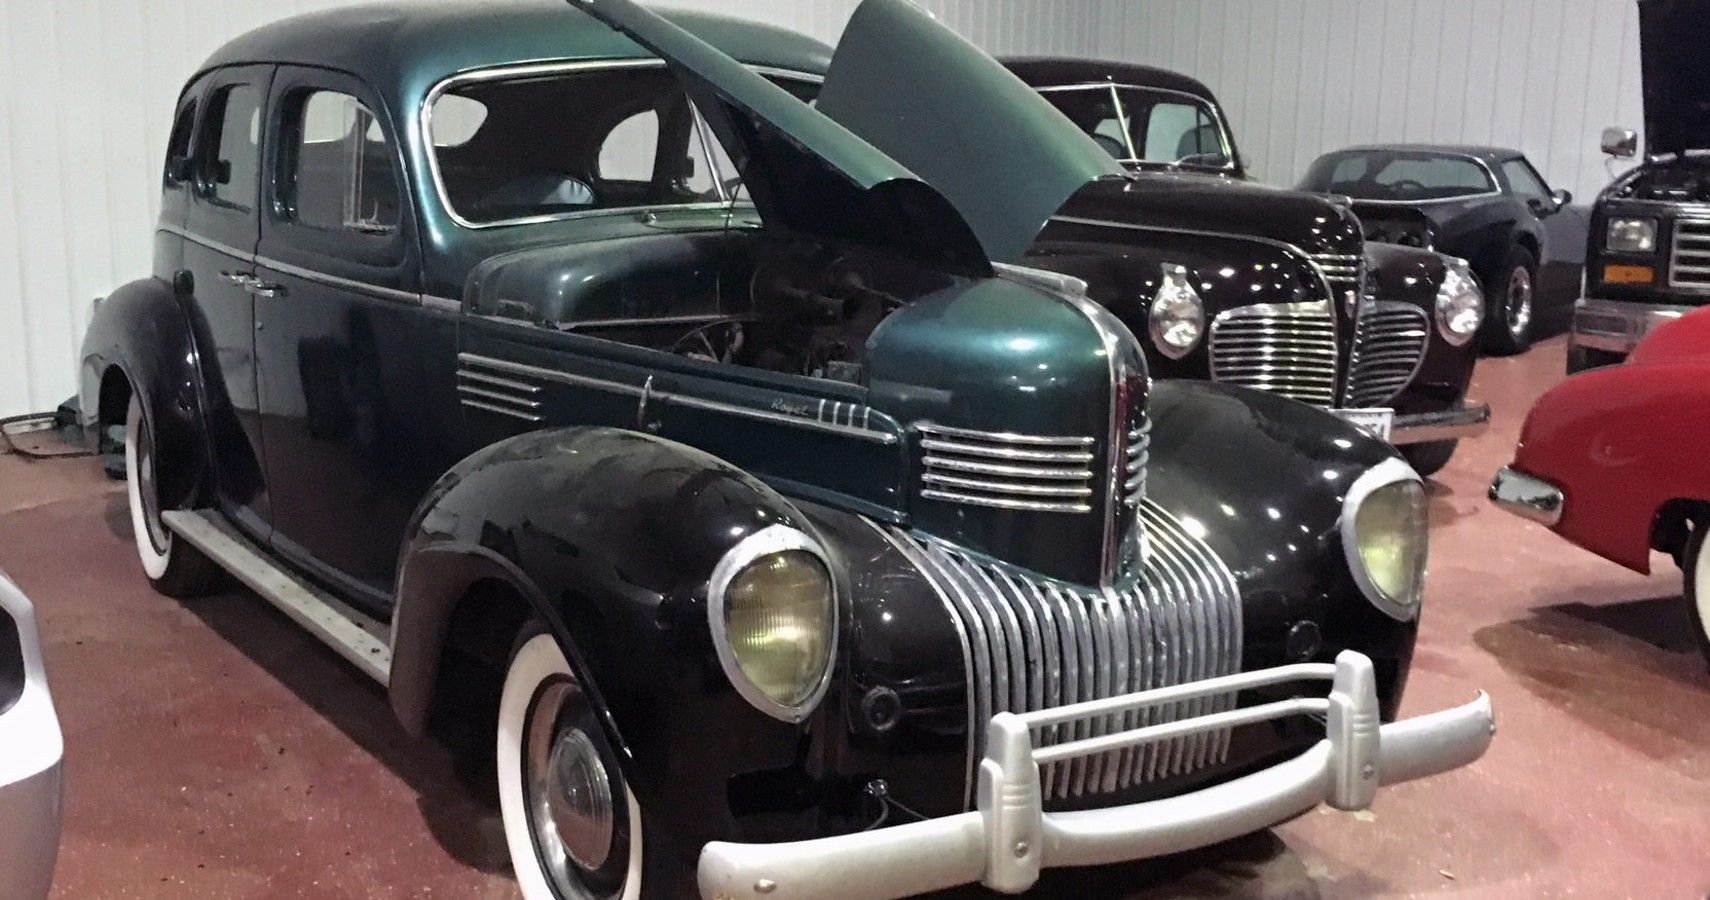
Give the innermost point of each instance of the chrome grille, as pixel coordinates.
(498, 391)
(1284, 348)
(1036, 644)
(1389, 346)
(1689, 263)
(1342, 270)
(1137, 452)
(1008, 471)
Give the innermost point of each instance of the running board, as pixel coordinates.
(325, 616)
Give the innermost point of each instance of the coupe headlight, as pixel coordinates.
(773, 611)
(1632, 235)
(1177, 316)
(1384, 536)
(1460, 304)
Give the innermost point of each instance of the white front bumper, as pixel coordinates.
(1010, 839)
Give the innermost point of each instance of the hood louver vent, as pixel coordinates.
(1007, 471)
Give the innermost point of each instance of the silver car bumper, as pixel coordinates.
(1526, 496)
(1010, 839)
(1469, 421)
(1616, 326)
(31, 748)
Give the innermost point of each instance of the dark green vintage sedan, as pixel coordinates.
(573, 378)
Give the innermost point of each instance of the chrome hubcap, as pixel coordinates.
(1519, 301)
(569, 796)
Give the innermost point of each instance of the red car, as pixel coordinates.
(1614, 459)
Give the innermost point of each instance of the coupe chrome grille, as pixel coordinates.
(1389, 346)
(1008, 471)
(1342, 270)
(1137, 452)
(1689, 263)
(1036, 644)
(1284, 348)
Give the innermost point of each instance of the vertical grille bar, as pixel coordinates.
(1389, 347)
(1036, 643)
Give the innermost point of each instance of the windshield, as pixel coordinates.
(1139, 125)
(1398, 175)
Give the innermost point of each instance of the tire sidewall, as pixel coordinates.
(1500, 337)
(537, 660)
(1697, 571)
(155, 560)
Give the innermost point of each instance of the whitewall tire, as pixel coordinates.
(1697, 570)
(572, 826)
(173, 567)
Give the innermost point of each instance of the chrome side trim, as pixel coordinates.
(336, 281)
(1005, 470)
(185, 233)
(768, 540)
(424, 117)
(500, 410)
(516, 368)
(1527, 496)
(765, 415)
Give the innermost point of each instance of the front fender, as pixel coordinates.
(1264, 478)
(611, 536)
(1413, 276)
(141, 333)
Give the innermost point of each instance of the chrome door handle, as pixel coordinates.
(241, 279)
(264, 288)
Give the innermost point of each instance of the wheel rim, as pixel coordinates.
(1519, 301)
(582, 845)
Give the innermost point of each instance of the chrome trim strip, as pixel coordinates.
(492, 408)
(443, 304)
(765, 415)
(574, 380)
(485, 394)
(1003, 502)
(424, 119)
(1527, 496)
(347, 284)
(1469, 421)
(702, 319)
(499, 382)
(1006, 437)
(1489, 174)
(244, 255)
(1011, 453)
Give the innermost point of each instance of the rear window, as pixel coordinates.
(1401, 176)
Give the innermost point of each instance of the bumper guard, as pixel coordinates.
(1468, 421)
(1010, 839)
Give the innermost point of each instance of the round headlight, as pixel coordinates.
(1177, 315)
(773, 613)
(1384, 533)
(1460, 304)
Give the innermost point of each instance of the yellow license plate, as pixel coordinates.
(1628, 274)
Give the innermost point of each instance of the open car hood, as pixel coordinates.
(806, 173)
(1676, 74)
(934, 102)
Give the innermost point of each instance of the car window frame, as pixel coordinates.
(381, 262)
(205, 139)
(703, 134)
(1225, 135)
(1549, 193)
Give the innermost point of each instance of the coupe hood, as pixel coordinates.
(806, 172)
(939, 105)
(1676, 74)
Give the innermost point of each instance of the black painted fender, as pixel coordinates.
(1265, 478)
(141, 333)
(611, 536)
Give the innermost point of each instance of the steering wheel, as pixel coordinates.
(1407, 186)
(713, 342)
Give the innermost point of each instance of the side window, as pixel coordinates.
(231, 158)
(1525, 181)
(629, 150)
(178, 146)
(336, 166)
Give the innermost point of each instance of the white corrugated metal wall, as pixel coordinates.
(89, 84)
(1300, 77)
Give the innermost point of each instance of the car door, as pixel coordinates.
(220, 231)
(1564, 233)
(357, 376)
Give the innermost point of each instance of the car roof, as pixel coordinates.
(1485, 153)
(1050, 71)
(402, 47)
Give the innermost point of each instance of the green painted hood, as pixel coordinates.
(934, 102)
(805, 172)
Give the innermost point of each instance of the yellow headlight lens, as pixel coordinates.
(780, 618)
(1390, 530)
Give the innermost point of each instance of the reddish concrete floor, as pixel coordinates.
(213, 750)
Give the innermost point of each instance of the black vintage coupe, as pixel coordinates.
(579, 383)
(1487, 205)
(1239, 282)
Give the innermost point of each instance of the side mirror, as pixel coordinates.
(178, 169)
(222, 172)
(1622, 143)
(1562, 198)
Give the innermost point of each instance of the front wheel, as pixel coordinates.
(1697, 570)
(173, 567)
(573, 828)
(1508, 323)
